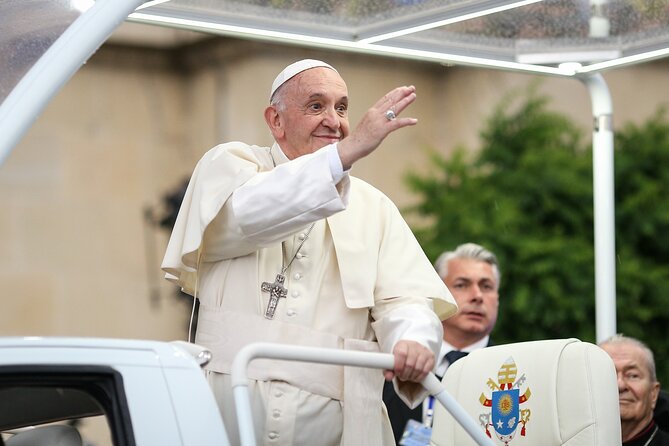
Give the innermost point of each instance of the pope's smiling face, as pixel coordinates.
(312, 112)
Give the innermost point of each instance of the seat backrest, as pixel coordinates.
(559, 392)
(51, 435)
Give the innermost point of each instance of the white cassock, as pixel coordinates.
(360, 281)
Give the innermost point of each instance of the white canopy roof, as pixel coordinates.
(528, 35)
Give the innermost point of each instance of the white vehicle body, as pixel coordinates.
(151, 393)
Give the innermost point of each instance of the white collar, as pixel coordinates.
(277, 154)
(483, 342)
(442, 364)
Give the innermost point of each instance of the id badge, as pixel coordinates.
(416, 434)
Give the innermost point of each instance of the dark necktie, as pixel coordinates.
(454, 355)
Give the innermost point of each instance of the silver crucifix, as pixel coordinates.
(276, 291)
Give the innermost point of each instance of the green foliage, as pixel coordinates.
(642, 219)
(527, 196)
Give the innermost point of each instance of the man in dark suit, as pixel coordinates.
(472, 274)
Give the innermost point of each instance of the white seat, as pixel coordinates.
(51, 435)
(543, 393)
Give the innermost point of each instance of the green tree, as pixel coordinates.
(642, 219)
(527, 196)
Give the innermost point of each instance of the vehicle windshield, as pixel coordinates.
(29, 28)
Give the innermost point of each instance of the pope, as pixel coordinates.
(282, 244)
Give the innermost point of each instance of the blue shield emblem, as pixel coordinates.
(505, 411)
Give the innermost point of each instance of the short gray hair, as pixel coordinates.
(278, 99)
(468, 251)
(619, 338)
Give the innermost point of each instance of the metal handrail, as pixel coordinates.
(331, 356)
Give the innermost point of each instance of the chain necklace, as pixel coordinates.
(276, 290)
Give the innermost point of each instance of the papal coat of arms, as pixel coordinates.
(505, 414)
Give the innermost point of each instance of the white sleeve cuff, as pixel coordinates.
(336, 167)
(412, 323)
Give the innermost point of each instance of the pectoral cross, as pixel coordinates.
(276, 291)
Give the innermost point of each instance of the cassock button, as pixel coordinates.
(295, 294)
(291, 312)
(299, 255)
(297, 276)
(276, 413)
(302, 236)
(273, 435)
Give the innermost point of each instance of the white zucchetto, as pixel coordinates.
(295, 68)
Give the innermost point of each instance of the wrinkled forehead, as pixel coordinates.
(626, 356)
(317, 82)
(471, 268)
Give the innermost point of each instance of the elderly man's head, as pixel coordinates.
(637, 384)
(472, 275)
(308, 108)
